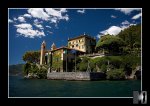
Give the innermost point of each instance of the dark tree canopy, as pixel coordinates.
(31, 56)
(110, 43)
(126, 42)
(132, 36)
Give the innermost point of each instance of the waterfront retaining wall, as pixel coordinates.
(76, 75)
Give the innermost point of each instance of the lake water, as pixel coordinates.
(19, 87)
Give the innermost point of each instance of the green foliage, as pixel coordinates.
(110, 43)
(102, 62)
(126, 62)
(78, 60)
(119, 65)
(82, 66)
(129, 62)
(93, 65)
(85, 59)
(115, 74)
(104, 68)
(115, 61)
(31, 56)
(132, 38)
(27, 68)
(127, 41)
(42, 73)
(33, 68)
(57, 62)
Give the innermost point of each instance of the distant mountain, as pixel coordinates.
(15, 69)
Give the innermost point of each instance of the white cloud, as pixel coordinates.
(27, 15)
(112, 16)
(15, 19)
(137, 16)
(57, 14)
(30, 33)
(125, 22)
(26, 30)
(38, 26)
(54, 20)
(99, 35)
(21, 19)
(63, 10)
(38, 13)
(37, 21)
(49, 14)
(10, 21)
(50, 32)
(48, 26)
(114, 30)
(81, 11)
(24, 26)
(127, 11)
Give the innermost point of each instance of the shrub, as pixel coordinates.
(82, 66)
(115, 74)
(26, 68)
(104, 68)
(33, 69)
(129, 63)
(42, 73)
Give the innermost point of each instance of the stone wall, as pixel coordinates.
(75, 76)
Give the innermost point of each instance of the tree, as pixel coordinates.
(26, 68)
(104, 68)
(129, 63)
(132, 37)
(31, 56)
(110, 43)
(115, 74)
(82, 66)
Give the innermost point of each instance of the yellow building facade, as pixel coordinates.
(83, 43)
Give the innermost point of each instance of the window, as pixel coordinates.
(79, 47)
(82, 46)
(76, 41)
(72, 46)
(82, 40)
(76, 45)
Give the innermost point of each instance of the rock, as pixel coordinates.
(31, 75)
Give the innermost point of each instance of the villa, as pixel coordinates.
(63, 59)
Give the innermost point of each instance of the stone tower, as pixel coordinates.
(53, 46)
(42, 58)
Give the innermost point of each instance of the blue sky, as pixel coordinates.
(29, 27)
